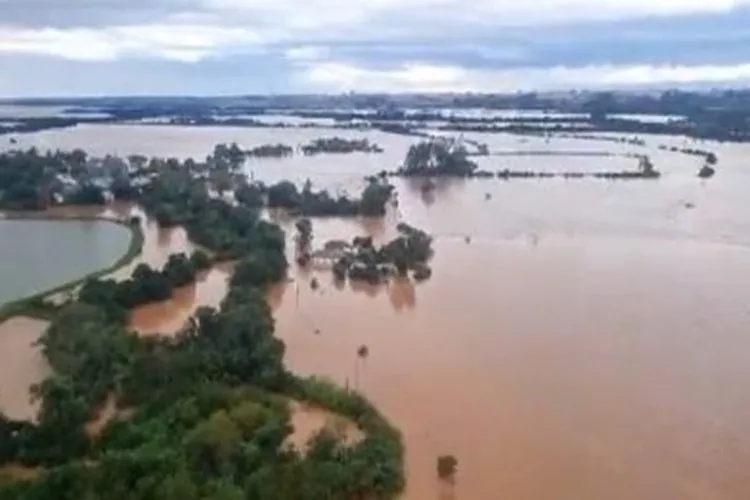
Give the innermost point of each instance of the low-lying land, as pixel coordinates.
(721, 116)
(207, 407)
(447, 157)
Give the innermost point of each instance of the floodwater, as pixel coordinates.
(36, 255)
(23, 366)
(579, 339)
(170, 316)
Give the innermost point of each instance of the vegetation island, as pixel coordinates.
(203, 414)
(340, 146)
(448, 157)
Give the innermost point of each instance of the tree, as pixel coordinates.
(179, 270)
(88, 194)
(145, 285)
(446, 467)
(137, 162)
(212, 442)
(284, 194)
(250, 195)
(78, 157)
(438, 156)
(375, 197)
(199, 260)
(706, 172)
(122, 189)
(178, 486)
(260, 269)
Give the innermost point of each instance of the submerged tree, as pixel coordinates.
(304, 240)
(362, 352)
(438, 156)
(446, 467)
(706, 172)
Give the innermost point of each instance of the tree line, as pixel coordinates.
(171, 189)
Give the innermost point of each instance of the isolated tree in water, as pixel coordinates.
(446, 467)
(362, 353)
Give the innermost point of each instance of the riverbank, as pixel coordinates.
(34, 305)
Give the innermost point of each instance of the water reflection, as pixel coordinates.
(402, 294)
(430, 191)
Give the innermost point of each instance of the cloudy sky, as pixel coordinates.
(97, 47)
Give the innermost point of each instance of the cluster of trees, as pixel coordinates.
(709, 156)
(410, 250)
(507, 174)
(181, 194)
(646, 170)
(309, 203)
(145, 284)
(20, 175)
(28, 178)
(32, 180)
(338, 145)
(270, 150)
(303, 239)
(706, 171)
(437, 157)
(225, 156)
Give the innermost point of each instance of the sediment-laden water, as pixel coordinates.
(579, 339)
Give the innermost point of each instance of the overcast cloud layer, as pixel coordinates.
(93, 47)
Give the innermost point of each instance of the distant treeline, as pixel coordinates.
(720, 125)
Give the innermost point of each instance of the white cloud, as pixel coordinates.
(306, 53)
(181, 42)
(333, 76)
(307, 13)
(336, 44)
(76, 44)
(200, 28)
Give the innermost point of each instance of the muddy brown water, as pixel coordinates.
(589, 340)
(22, 366)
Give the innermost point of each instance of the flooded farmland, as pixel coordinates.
(579, 339)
